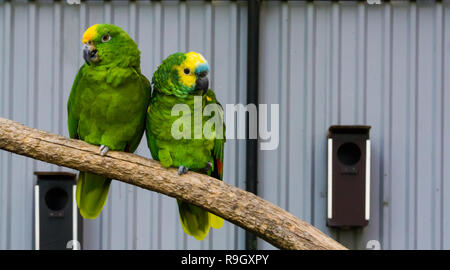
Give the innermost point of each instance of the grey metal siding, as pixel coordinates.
(325, 63)
(40, 45)
(351, 63)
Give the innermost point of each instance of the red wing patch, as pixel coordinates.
(219, 167)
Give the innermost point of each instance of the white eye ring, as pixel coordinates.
(187, 71)
(106, 38)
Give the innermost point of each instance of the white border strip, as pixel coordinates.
(36, 218)
(330, 180)
(74, 219)
(367, 179)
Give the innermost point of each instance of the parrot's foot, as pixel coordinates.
(182, 170)
(103, 150)
(207, 167)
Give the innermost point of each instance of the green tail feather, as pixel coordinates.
(195, 221)
(92, 192)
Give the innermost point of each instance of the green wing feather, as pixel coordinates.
(73, 115)
(217, 153)
(134, 143)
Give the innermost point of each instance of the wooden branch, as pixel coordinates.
(242, 208)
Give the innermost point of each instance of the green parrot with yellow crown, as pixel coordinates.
(107, 105)
(182, 79)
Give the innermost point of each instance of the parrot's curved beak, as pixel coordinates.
(202, 82)
(90, 53)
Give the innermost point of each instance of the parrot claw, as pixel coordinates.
(182, 170)
(103, 149)
(207, 167)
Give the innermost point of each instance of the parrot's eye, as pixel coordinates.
(106, 38)
(187, 71)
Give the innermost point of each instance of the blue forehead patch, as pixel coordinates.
(202, 67)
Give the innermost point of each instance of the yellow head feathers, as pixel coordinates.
(194, 59)
(90, 33)
(187, 69)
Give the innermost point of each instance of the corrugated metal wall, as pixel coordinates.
(40, 53)
(387, 66)
(324, 63)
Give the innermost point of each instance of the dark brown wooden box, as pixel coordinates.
(348, 176)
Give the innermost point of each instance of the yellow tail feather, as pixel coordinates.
(215, 221)
(196, 222)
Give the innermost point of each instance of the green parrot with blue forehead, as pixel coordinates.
(107, 105)
(182, 78)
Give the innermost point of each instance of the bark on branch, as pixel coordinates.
(242, 208)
